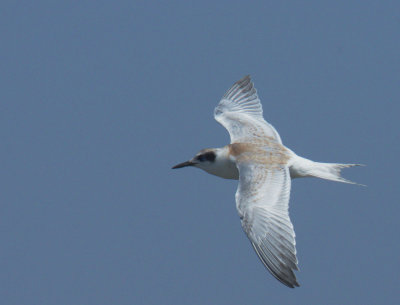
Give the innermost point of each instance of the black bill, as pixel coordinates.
(184, 164)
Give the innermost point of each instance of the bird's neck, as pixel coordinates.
(223, 166)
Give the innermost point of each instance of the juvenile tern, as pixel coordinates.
(264, 167)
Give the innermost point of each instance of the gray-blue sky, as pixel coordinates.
(99, 99)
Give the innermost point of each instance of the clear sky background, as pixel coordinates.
(99, 99)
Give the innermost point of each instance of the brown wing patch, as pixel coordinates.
(266, 152)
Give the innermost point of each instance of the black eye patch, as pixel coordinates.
(208, 156)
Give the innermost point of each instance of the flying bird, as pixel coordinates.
(264, 167)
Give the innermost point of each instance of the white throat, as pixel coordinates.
(223, 166)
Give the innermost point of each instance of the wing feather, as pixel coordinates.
(241, 113)
(262, 200)
(262, 197)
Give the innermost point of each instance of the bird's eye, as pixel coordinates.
(201, 158)
(208, 156)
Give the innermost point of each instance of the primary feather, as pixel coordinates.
(240, 112)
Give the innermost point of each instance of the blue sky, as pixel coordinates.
(99, 99)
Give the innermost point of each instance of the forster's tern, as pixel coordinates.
(264, 167)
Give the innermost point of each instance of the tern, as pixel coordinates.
(264, 167)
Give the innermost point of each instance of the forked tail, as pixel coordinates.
(302, 167)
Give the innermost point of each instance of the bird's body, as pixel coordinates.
(264, 167)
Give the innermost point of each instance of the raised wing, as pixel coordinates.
(262, 200)
(240, 112)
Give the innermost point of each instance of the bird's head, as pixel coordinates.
(204, 159)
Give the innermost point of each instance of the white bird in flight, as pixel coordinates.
(264, 167)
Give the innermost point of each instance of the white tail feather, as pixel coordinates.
(302, 167)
